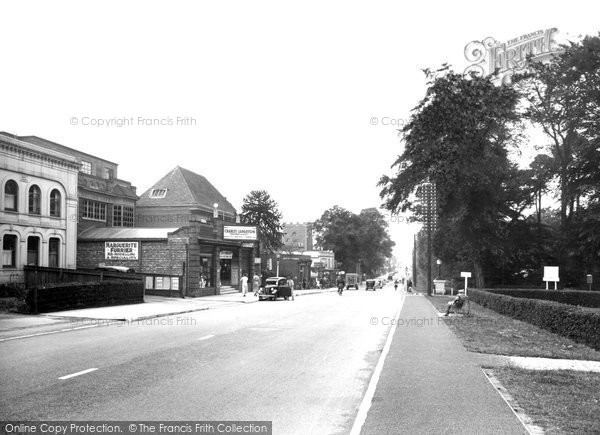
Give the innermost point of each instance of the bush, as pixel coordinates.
(572, 297)
(566, 320)
(73, 295)
(13, 291)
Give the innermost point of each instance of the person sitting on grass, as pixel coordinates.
(457, 303)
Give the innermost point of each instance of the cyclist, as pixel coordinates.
(341, 283)
(395, 285)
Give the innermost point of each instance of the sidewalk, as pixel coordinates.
(431, 384)
(19, 325)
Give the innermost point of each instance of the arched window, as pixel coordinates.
(55, 203)
(35, 199)
(33, 250)
(9, 250)
(53, 252)
(11, 195)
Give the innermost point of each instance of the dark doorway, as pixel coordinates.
(225, 272)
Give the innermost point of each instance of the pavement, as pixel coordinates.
(429, 383)
(14, 325)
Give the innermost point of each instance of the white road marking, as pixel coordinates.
(365, 404)
(72, 375)
(48, 333)
(206, 337)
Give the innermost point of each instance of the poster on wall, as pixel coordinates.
(120, 250)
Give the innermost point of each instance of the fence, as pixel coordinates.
(36, 276)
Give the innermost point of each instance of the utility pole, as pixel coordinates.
(428, 199)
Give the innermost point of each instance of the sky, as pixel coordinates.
(302, 99)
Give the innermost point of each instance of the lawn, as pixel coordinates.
(486, 331)
(559, 401)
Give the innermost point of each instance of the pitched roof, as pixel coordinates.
(52, 145)
(188, 189)
(112, 233)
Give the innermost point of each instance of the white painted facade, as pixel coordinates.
(38, 224)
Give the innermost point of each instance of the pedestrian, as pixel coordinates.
(255, 283)
(290, 283)
(244, 282)
(409, 285)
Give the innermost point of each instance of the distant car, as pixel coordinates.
(371, 284)
(276, 288)
(351, 280)
(121, 269)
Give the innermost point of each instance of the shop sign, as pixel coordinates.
(225, 255)
(120, 250)
(231, 232)
(247, 245)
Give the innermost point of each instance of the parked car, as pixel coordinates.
(276, 287)
(371, 284)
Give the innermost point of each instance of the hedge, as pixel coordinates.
(566, 320)
(582, 298)
(74, 295)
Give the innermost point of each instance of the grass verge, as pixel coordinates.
(486, 331)
(559, 401)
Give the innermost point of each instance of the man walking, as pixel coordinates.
(244, 281)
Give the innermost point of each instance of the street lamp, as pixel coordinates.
(215, 210)
(439, 263)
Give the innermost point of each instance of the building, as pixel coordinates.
(104, 199)
(294, 265)
(298, 236)
(183, 242)
(177, 196)
(38, 207)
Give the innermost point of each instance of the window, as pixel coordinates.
(86, 167)
(109, 173)
(55, 203)
(11, 195)
(122, 216)
(33, 250)
(93, 210)
(158, 193)
(53, 251)
(35, 196)
(9, 250)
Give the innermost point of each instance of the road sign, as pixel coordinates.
(551, 274)
(466, 276)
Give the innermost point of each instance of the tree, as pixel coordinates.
(563, 98)
(261, 210)
(457, 138)
(355, 239)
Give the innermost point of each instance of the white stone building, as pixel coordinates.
(38, 208)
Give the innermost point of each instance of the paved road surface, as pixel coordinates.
(305, 365)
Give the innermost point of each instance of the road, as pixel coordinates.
(303, 364)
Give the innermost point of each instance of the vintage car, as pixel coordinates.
(371, 284)
(351, 280)
(276, 287)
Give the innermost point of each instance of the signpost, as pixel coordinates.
(551, 274)
(589, 281)
(466, 276)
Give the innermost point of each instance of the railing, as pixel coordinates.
(36, 276)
